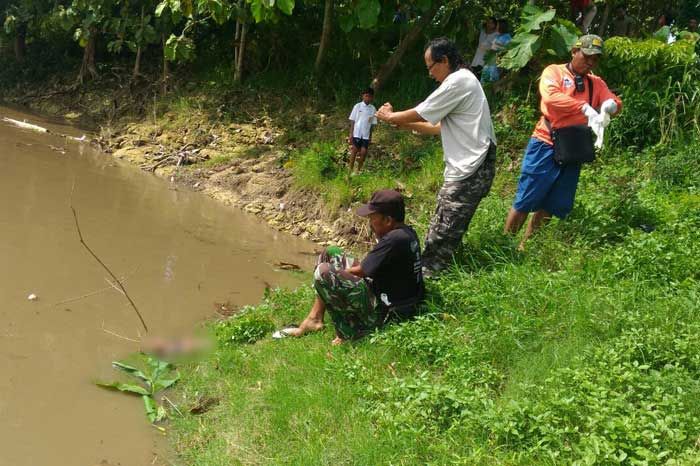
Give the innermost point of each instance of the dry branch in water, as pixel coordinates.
(99, 261)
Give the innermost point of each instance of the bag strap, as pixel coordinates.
(590, 100)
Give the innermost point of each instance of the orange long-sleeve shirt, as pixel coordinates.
(562, 105)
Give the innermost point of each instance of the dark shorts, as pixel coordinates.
(543, 184)
(360, 143)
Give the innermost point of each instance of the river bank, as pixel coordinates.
(583, 349)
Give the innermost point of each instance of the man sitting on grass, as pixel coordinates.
(386, 285)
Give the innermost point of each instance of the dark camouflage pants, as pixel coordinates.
(348, 299)
(456, 203)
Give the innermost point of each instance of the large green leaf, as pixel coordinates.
(151, 408)
(124, 387)
(533, 17)
(131, 370)
(562, 40)
(520, 51)
(286, 6)
(162, 384)
(368, 12)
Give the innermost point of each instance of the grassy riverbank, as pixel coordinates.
(585, 348)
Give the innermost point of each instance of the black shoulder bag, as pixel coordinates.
(573, 145)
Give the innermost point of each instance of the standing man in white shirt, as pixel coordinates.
(362, 119)
(459, 112)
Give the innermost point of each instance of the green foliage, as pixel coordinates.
(246, 327)
(539, 30)
(155, 375)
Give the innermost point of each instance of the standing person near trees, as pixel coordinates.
(571, 98)
(362, 121)
(486, 37)
(459, 112)
(622, 24)
(583, 12)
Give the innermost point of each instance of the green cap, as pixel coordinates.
(590, 44)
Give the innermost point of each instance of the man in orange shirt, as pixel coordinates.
(545, 187)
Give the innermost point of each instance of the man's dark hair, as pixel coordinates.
(369, 91)
(503, 26)
(621, 6)
(443, 47)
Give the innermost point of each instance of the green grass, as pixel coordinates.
(584, 350)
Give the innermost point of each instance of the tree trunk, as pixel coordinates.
(166, 72)
(137, 63)
(236, 38)
(325, 34)
(386, 70)
(21, 42)
(602, 29)
(238, 73)
(88, 65)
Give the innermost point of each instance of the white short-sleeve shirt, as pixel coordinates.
(363, 116)
(461, 108)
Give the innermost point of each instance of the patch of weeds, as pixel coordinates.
(246, 327)
(155, 375)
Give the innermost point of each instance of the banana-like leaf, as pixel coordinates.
(131, 370)
(162, 384)
(124, 387)
(151, 408)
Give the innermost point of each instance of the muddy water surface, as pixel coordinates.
(180, 253)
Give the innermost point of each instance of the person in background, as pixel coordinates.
(693, 25)
(664, 33)
(486, 37)
(491, 72)
(545, 187)
(583, 12)
(362, 296)
(459, 112)
(362, 120)
(622, 24)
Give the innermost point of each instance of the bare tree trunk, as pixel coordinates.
(88, 65)
(386, 70)
(21, 42)
(137, 63)
(166, 72)
(325, 34)
(602, 29)
(236, 38)
(238, 73)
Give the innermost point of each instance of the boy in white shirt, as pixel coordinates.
(362, 121)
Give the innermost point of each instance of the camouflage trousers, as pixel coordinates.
(348, 299)
(456, 203)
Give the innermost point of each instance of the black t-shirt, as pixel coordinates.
(394, 265)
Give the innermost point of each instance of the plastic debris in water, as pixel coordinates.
(32, 297)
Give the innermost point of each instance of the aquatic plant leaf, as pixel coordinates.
(131, 370)
(151, 408)
(124, 387)
(162, 384)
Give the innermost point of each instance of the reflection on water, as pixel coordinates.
(177, 253)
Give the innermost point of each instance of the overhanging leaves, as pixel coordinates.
(521, 50)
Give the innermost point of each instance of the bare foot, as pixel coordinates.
(307, 326)
(337, 341)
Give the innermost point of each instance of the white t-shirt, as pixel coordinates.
(363, 116)
(461, 108)
(485, 43)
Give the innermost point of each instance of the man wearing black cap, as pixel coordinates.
(387, 284)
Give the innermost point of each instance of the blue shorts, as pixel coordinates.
(544, 185)
(360, 143)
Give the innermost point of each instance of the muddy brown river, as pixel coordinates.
(179, 253)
